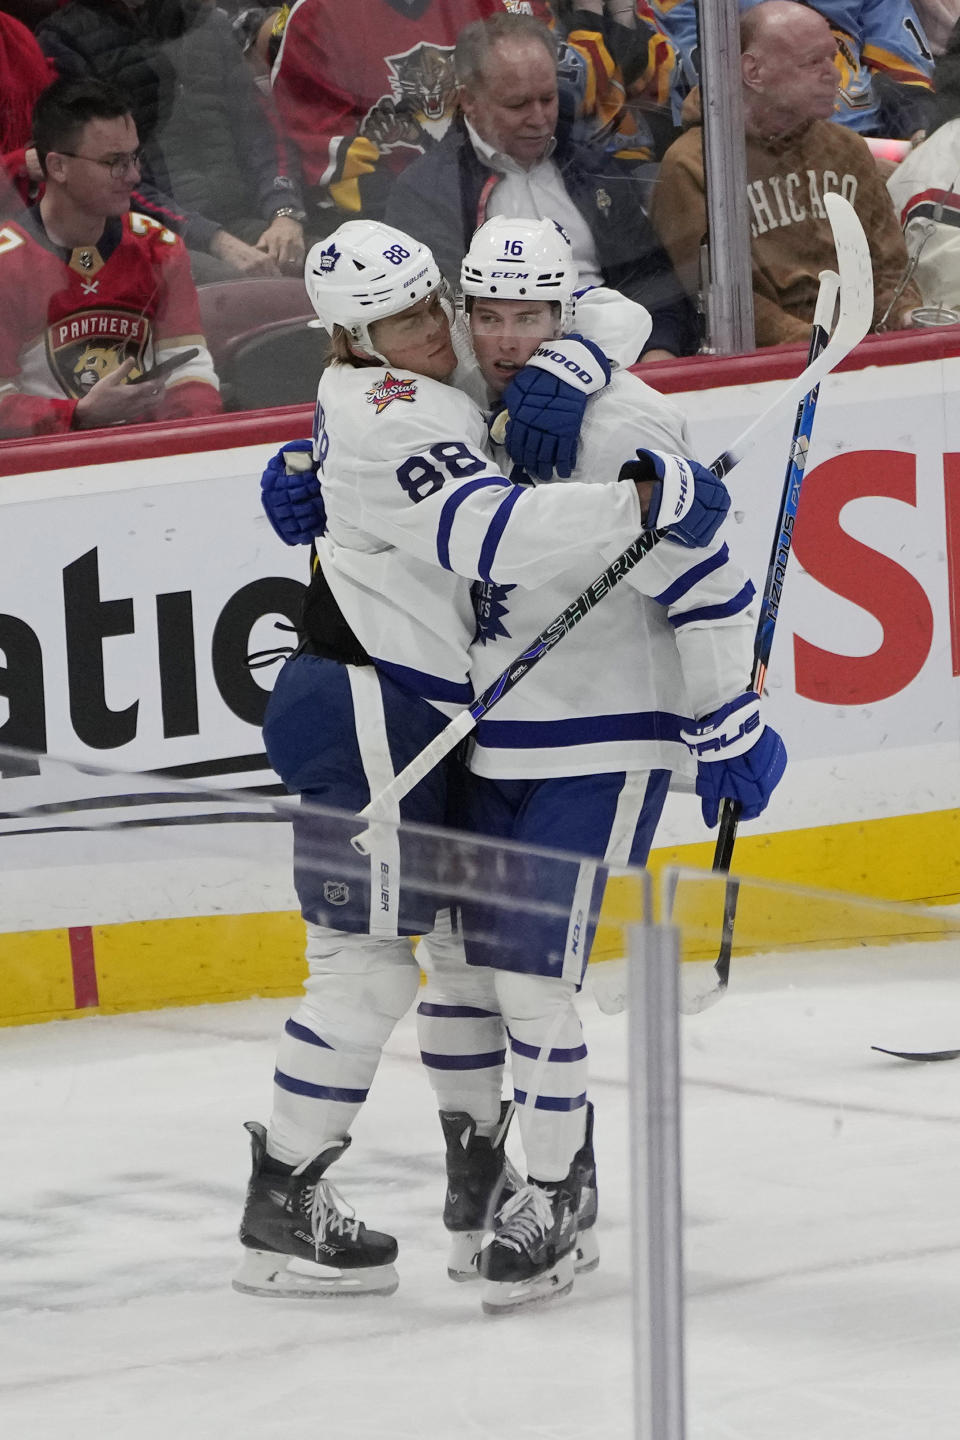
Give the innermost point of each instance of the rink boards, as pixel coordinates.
(134, 584)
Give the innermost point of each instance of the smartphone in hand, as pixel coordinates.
(159, 371)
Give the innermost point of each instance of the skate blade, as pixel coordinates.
(504, 1297)
(461, 1260)
(283, 1276)
(588, 1251)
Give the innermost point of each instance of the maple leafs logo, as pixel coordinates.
(329, 258)
(490, 608)
(389, 389)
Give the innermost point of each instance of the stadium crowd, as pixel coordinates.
(253, 132)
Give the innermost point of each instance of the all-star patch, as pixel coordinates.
(389, 389)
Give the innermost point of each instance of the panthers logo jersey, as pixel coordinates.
(73, 317)
(361, 100)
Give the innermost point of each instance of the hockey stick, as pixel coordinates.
(700, 990)
(853, 257)
(919, 1054)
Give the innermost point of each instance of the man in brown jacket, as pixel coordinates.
(795, 153)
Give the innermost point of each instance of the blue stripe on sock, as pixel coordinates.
(318, 1092)
(300, 1032)
(553, 1102)
(562, 1057)
(454, 1012)
(463, 1062)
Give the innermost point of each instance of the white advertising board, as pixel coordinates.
(132, 592)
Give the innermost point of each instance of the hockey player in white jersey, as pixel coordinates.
(414, 511)
(579, 756)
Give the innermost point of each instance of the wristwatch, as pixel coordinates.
(287, 212)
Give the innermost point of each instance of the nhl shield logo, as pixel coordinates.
(336, 892)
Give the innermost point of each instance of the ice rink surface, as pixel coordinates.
(822, 1235)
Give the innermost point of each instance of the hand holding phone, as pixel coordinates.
(159, 372)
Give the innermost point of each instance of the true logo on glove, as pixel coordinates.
(724, 742)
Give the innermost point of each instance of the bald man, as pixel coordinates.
(794, 155)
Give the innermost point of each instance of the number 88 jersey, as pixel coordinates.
(416, 511)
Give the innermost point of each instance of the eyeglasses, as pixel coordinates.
(118, 165)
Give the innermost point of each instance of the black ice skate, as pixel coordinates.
(299, 1238)
(479, 1179)
(530, 1256)
(584, 1174)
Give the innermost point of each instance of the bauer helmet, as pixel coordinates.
(364, 272)
(521, 260)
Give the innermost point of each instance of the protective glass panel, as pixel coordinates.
(819, 1172)
(818, 1182)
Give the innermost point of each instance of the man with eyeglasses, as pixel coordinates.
(95, 297)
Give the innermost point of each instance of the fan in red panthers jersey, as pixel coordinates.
(95, 296)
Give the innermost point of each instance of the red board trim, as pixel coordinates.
(255, 427)
(83, 965)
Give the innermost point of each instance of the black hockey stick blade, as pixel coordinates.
(918, 1054)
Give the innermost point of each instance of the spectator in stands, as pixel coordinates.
(93, 295)
(258, 31)
(217, 167)
(925, 189)
(25, 72)
(362, 97)
(506, 154)
(882, 57)
(794, 153)
(622, 92)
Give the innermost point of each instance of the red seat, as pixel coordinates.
(229, 308)
(270, 365)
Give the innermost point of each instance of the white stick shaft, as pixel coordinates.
(420, 766)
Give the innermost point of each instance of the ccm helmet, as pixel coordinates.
(521, 260)
(365, 271)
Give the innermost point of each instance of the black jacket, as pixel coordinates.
(439, 200)
(213, 147)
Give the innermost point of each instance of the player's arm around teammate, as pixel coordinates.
(414, 510)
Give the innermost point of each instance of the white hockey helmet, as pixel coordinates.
(364, 272)
(513, 259)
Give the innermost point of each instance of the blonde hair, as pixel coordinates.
(343, 353)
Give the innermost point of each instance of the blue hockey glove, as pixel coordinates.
(546, 401)
(291, 496)
(689, 502)
(738, 757)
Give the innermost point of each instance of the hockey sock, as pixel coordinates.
(548, 1056)
(357, 990)
(460, 1030)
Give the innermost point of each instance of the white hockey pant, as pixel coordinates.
(358, 987)
(460, 1029)
(548, 1056)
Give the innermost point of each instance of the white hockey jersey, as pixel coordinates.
(414, 504)
(925, 190)
(674, 640)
